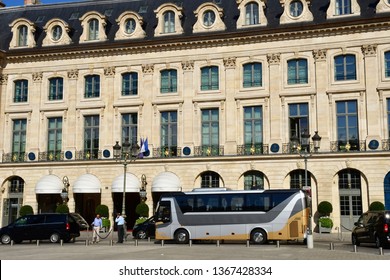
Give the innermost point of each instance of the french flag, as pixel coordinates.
(144, 151)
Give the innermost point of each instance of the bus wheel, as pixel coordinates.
(181, 236)
(259, 236)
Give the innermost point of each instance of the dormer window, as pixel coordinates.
(23, 34)
(251, 13)
(130, 26)
(295, 11)
(383, 6)
(339, 8)
(93, 25)
(56, 33)
(209, 18)
(169, 22)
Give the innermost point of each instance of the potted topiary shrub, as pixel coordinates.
(376, 206)
(142, 210)
(62, 208)
(325, 223)
(25, 210)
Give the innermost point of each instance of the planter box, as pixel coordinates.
(324, 229)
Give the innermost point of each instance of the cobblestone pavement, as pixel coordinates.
(326, 247)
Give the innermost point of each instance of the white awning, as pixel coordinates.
(86, 184)
(132, 183)
(166, 182)
(49, 184)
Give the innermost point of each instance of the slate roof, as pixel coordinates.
(42, 13)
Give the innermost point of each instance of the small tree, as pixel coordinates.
(102, 210)
(376, 206)
(325, 208)
(142, 209)
(25, 210)
(62, 208)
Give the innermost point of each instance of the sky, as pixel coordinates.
(9, 3)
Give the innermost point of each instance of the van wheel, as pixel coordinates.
(182, 236)
(5, 239)
(259, 236)
(54, 238)
(355, 241)
(141, 234)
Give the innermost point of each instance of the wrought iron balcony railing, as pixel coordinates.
(166, 152)
(205, 151)
(252, 149)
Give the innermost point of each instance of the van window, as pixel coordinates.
(33, 220)
(164, 212)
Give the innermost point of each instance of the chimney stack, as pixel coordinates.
(31, 2)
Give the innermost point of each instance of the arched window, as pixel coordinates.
(93, 29)
(253, 180)
(210, 179)
(169, 22)
(252, 13)
(22, 35)
(299, 179)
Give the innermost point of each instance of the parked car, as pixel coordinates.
(145, 229)
(51, 226)
(372, 227)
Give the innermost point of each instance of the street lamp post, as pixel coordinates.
(142, 192)
(125, 154)
(65, 190)
(302, 145)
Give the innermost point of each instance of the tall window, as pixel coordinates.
(298, 118)
(298, 179)
(253, 129)
(345, 67)
(21, 91)
(56, 88)
(253, 76)
(54, 141)
(387, 64)
(130, 84)
(168, 81)
(92, 86)
(91, 137)
(252, 14)
(343, 7)
(210, 180)
(93, 29)
(350, 193)
(297, 71)
(130, 127)
(19, 139)
(347, 125)
(209, 78)
(210, 131)
(169, 133)
(22, 35)
(253, 180)
(169, 22)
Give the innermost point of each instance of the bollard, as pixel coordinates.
(162, 243)
(218, 243)
(381, 251)
(12, 243)
(111, 242)
(277, 244)
(354, 248)
(86, 242)
(37, 242)
(149, 239)
(331, 246)
(136, 242)
(248, 244)
(62, 242)
(190, 242)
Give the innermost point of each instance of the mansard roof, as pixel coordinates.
(71, 13)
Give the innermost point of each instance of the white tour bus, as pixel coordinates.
(220, 214)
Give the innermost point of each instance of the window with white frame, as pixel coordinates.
(345, 67)
(168, 81)
(93, 25)
(92, 86)
(21, 91)
(209, 78)
(129, 83)
(339, 8)
(56, 88)
(209, 18)
(251, 13)
(130, 26)
(168, 16)
(252, 75)
(295, 11)
(22, 34)
(297, 71)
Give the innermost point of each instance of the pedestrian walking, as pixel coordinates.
(97, 224)
(120, 221)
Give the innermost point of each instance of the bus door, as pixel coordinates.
(164, 220)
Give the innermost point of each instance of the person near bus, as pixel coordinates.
(120, 221)
(97, 224)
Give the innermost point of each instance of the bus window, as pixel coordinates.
(237, 203)
(164, 212)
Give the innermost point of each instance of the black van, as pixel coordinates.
(145, 229)
(372, 227)
(52, 226)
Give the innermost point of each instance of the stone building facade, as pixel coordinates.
(218, 88)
